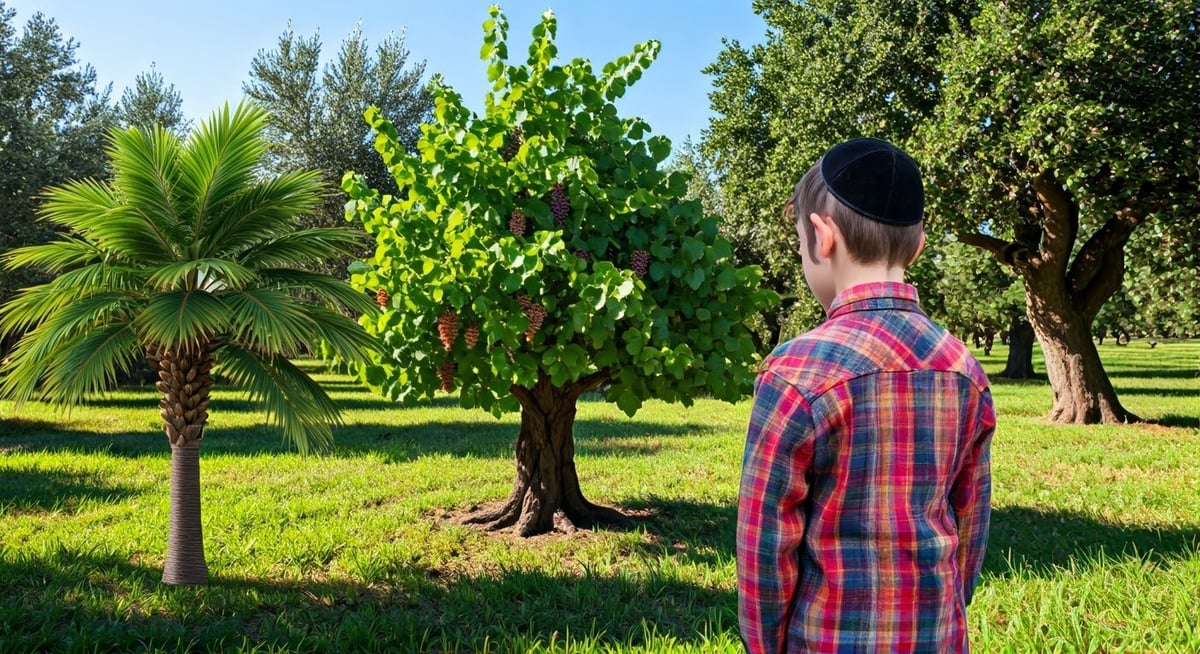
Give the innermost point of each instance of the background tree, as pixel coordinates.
(151, 101)
(868, 68)
(539, 252)
(52, 124)
(316, 113)
(189, 258)
(1066, 126)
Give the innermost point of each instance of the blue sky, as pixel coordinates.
(205, 48)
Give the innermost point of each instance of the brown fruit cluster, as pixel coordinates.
(512, 143)
(640, 262)
(537, 316)
(516, 223)
(448, 329)
(381, 296)
(471, 336)
(560, 205)
(446, 372)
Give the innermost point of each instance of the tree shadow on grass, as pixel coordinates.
(38, 490)
(394, 443)
(1033, 541)
(111, 604)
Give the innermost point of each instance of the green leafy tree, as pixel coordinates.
(316, 113)
(866, 68)
(1065, 126)
(190, 258)
(151, 101)
(539, 252)
(52, 125)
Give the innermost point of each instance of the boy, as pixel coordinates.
(865, 494)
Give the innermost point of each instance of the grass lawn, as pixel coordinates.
(1095, 545)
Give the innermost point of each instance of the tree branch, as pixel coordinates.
(1060, 221)
(1009, 253)
(1099, 268)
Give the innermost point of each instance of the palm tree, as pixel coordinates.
(191, 259)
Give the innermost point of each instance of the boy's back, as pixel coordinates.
(887, 416)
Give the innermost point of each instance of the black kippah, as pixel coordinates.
(876, 179)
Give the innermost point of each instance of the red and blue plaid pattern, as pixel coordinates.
(865, 492)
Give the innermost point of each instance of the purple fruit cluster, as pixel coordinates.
(560, 205)
(640, 262)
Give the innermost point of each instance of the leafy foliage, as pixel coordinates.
(52, 122)
(596, 205)
(151, 101)
(316, 113)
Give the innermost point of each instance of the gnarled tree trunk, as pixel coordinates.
(546, 494)
(185, 378)
(1065, 287)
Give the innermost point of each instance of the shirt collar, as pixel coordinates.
(875, 295)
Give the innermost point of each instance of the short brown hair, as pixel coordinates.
(867, 241)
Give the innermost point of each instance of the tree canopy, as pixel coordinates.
(539, 251)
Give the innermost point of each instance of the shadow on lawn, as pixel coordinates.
(70, 596)
(38, 490)
(394, 443)
(1025, 540)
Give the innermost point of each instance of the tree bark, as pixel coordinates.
(185, 378)
(185, 563)
(1020, 350)
(546, 495)
(1083, 393)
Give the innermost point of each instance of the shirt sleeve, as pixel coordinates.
(971, 498)
(771, 518)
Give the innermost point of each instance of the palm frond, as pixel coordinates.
(78, 205)
(87, 364)
(348, 340)
(66, 369)
(55, 256)
(59, 315)
(261, 213)
(269, 320)
(208, 274)
(334, 292)
(178, 318)
(146, 173)
(221, 158)
(303, 247)
(293, 402)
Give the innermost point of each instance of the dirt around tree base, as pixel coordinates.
(505, 516)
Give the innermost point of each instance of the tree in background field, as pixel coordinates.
(829, 70)
(191, 259)
(1065, 128)
(538, 252)
(151, 101)
(52, 125)
(316, 113)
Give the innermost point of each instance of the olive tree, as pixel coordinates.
(538, 252)
(1064, 128)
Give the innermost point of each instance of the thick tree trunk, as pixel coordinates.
(1083, 393)
(1020, 351)
(184, 380)
(546, 495)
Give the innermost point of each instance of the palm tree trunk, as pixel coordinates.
(185, 378)
(185, 541)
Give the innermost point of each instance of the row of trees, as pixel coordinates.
(1058, 138)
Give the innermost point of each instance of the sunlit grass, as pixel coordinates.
(1095, 544)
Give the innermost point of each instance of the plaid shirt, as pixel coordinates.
(865, 492)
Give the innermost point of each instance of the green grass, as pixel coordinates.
(1095, 544)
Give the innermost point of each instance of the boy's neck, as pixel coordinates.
(853, 274)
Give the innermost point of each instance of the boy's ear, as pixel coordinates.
(920, 249)
(825, 231)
